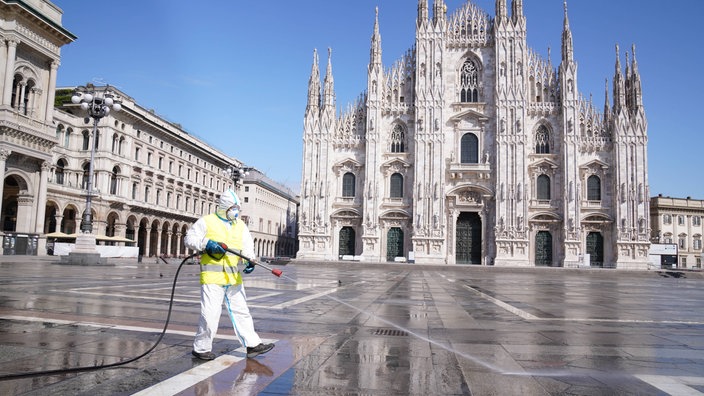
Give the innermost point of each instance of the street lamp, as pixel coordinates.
(98, 104)
(236, 173)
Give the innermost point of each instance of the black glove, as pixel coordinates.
(214, 249)
(248, 268)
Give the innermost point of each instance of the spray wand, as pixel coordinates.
(236, 252)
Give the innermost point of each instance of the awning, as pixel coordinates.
(60, 235)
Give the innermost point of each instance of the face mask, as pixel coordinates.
(233, 213)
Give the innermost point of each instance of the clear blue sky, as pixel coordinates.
(235, 73)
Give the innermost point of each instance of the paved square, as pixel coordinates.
(354, 328)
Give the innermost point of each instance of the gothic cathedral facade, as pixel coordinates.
(472, 149)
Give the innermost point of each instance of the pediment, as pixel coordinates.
(347, 165)
(469, 119)
(347, 213)
(546, 217)
(394, 215)
(544, 163)
(396, 164)
(596, 218)
(595, 164)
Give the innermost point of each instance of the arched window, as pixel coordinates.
(22, 94)
(59, 171)
(542, 140)
(594, 188)
(469, 149)
(469, 82)
(396, 186)
(67, 137)
(121, 145)
(86, 140)
(60, 133)
(398, 139)
(348, 181)
(115, 143)
(86, 172)
(113, 180)
(543, 184)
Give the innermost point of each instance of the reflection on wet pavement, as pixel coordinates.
(360, 329)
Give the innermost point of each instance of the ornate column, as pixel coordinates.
(4, 154)
(169, 235)
(158, 242)
(178, 244)
(41, 193)
(59, 219)
(51, 89)
(20, 96)
(121, 231)
(12, 43)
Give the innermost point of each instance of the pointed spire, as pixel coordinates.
(329, 88)
(314, 84)
(619, 94)
(517, 11)
(501, 11)
(439, 11)
(422, 13)
(636, 87)
(634, 69)
(567, 48)
(375, 52)
(607, 108)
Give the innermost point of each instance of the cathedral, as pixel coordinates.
(473, 149)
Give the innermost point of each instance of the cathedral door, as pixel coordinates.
(543, 248)
(595, 249)
(469, 239)
(346, 241)
(394, 243)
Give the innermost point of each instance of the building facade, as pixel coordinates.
(473, 149)
(152, 179)
(679, 221)
(31, 37)
(270, 210)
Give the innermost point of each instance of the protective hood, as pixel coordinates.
(227, 200)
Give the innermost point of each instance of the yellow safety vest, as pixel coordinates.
(222, 272)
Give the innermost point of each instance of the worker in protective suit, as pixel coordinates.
(220, 277)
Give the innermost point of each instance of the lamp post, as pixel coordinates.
(236, 173)
(98, 104)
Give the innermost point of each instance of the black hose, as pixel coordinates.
(111, 365)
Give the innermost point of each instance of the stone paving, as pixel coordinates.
(356, 329)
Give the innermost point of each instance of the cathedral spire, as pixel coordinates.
(635, 81)
(329, 88)
(619, 94)
(375, 52)
(607, 108)
(567, 48)
(422, 13)
(501, 11)
(314, 85)
(439, 11)
(517, 12)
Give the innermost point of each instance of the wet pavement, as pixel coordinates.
(356, 329)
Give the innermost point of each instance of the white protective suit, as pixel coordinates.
(212, 295)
